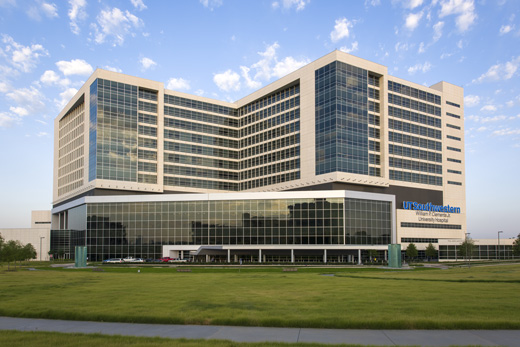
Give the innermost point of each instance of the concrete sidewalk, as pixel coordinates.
(258, 334)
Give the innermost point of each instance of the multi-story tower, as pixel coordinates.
(338, 128)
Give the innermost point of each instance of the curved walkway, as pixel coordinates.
(259, 334)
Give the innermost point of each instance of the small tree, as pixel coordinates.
(430, 251)
(1, 247)
(466, 249)
(28, 252)
(411, 251)
(10, 252)
(516, 246)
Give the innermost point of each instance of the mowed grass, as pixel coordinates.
(24, 338)
(459, 298)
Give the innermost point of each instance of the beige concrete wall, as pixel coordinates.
(34, 236)
(41, 219)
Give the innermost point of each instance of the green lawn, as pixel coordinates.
(23, 338)
(458, 298)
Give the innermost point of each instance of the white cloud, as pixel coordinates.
(500, 72)
(412, 20)
(489, 108)
(411, 4)
(31, 99)
(199, 92)
(42, 133)
(211, 4)
(50, 77)
(270, 66)
(288, 4)
(23, 58)
(510, 103)
(506, 132)
(75, 67)
(471, 100)
(421, 48)
(77, 13)
(116, 24)
(263, 66)
(463, 9)
(504, 29)
(288, 65)
(4, 87)
(178, 84)
(267, 67)
(493, 119)
(341, 29)
(250, 83)
(437, 31)
(147, 63)
(20, 111)
(113, 69)
(419, 67)
(372, 3)
(6, 120)
(50, 10)
(401, 46)
(353, 48)
(139, 4)
(66, 96)
(228, 80)
(482, 128)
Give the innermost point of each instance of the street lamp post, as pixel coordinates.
(41, 237)
(467, 254)
(498, 248)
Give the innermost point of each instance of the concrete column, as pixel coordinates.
(386, 255)
(325, 256)
(229, 256)
(292, 255)
(259, 255)
(235, 257)
(207, 258)
(182, 255)
(359, 256)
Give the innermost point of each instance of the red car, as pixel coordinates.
(165, 259)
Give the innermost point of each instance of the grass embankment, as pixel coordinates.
(459, 298)
(23, 338)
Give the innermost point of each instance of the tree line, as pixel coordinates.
(14, 251)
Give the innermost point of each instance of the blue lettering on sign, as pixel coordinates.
(415, 206)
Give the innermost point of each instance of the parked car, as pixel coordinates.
(113, 260)
(177, 260)
(129, 259)
(138, 260)
(166, 259)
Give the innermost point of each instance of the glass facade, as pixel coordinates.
(485, 252)
(200, 129)
(341, 119)
(140, 229)
(113, 131)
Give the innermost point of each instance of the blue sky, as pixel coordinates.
(226, 49)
